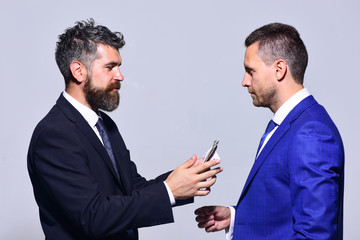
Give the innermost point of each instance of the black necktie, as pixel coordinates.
(100, 126)
(271, 125)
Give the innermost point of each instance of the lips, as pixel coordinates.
(252, 94)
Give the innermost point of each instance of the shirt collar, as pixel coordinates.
(285, 109)
(90, 116)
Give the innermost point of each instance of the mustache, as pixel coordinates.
(114, 85)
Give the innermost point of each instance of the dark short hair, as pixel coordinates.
(80, 42)
(281, 41)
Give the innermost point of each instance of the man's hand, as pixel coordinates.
(189, 179)
(213, 218)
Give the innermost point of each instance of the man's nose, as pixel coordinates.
(246, 80)
(118, 75)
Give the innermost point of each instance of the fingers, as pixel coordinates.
(212, 228)
(190, 179)
(203, 187)
(202, 193)
(213, 218)
(210, 173)
(197, 164)
(201, 211)
(206, 211)
(207, 184)
(205, 218)
(189, 163)
(198, 161)
(206, 224)
(206, 166)
(205, 221)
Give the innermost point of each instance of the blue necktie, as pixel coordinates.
(271, 125)
(100, 126)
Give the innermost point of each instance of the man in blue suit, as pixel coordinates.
(295, 187)
(84, 182)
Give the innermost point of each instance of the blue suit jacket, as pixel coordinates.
(295, 187)
(76, 187)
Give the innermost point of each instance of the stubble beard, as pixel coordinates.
(105, 99)
(267, 99)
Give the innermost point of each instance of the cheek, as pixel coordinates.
(101, 79)
(258, 82)
(254, 82)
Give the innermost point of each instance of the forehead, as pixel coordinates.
(251, 52)
(252, 57)
(107, 54)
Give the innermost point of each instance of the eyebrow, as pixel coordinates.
(113, 64)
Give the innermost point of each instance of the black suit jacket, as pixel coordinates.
(75, 185)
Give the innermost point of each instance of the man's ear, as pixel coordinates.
(78, 71)
(280, 69)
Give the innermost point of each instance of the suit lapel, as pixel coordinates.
(73, 115)
(280, 131)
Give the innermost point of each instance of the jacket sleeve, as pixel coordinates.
(316, 181)
(141, 182)
(65, 185)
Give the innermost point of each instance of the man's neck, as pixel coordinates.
(286, 94)
(79, 96)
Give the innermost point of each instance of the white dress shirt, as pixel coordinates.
(278, 118)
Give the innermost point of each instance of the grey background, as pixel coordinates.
(183, 67)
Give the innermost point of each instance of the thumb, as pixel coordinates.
(190, 162)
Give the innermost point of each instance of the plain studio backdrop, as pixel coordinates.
(183, 67)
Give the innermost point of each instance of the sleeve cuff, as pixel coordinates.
(229, 232)
(171, 196)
